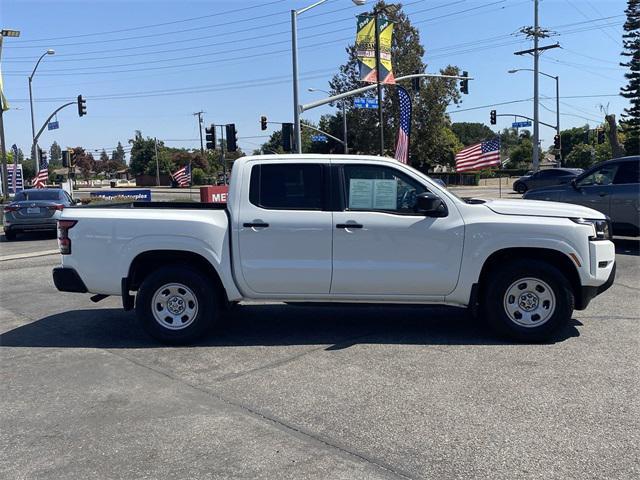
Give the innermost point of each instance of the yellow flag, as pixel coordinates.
(365, 49)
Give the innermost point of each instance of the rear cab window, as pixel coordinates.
(628, 172)
(287, 186)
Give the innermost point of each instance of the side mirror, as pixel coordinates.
(430, 205)
(574, 183)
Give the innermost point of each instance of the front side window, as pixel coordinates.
(602, 176)
(286, 186)
(377, 188)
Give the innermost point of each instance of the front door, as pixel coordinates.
(285, 230)
(381, 247)
(593, 189)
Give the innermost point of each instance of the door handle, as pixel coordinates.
(349, 225)
(603, 194)
(255, 225)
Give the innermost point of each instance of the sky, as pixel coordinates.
(149, 65)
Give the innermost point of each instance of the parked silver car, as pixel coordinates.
(611, 187)
(34, 209)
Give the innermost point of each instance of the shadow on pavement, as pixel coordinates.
(627, 246)
(271, 325)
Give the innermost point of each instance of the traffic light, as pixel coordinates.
(65, 158)
(600, 136)
(287, 134)
(232, 137)
(82, 106)
(263, 122)
(556, 142)
(493, 116)
(42, 154)
(415, 83)
(210, 134)
(464, 85)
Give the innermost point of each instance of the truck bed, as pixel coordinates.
(170, 205)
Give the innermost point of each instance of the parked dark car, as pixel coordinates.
(544, 178)
(34, 209)
(611, 187)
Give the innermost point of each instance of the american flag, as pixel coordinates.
(183, 176)
(14, 180)
(43, 174)
(402, 145)
(478, 156)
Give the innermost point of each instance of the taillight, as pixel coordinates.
(56, 207)
(10, 208)
(64, 242)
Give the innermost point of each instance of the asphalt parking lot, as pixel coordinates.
(312, 392)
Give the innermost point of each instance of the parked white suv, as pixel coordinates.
(300, 228)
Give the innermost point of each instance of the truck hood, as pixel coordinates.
(538, 208)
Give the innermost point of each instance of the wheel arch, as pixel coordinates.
(146, 262)
(556, 258)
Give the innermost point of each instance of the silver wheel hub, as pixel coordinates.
(174, 306)
(529, 302)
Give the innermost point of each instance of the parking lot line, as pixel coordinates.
(19, 256)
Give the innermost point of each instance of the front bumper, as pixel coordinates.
(588, 293)
(67, 280)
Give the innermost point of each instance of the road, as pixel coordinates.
(311, 392)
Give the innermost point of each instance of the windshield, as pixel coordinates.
(37, 195)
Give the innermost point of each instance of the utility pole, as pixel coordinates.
(222, 161)
(199, 114)
(155, 140)
(536, 33)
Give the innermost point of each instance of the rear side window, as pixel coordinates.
(628, 172)
(287, 186)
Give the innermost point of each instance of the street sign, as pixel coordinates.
(521, 124)
(53, 125)
(319, 138)
(364, 102)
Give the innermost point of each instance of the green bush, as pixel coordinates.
(198, 176)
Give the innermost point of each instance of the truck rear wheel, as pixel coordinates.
(529, 300)
(176, 305)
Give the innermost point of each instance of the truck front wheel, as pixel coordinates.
(176, 305)
(529, 300)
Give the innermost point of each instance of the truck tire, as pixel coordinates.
(9, 236)
(177, 305)
(521, 188)
(528, 301)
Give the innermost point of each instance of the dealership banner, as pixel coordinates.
(366, 49)
(122, 195)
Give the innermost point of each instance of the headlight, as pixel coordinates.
(602, 228)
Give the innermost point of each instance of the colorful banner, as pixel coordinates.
(366, 49)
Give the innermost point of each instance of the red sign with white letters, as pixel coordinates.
(214, 194)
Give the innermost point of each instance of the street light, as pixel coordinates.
(557, 79)
(33, 126)
(3, 107)
(294, 58)
(344, 117)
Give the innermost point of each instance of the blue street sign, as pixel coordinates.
(521, 124)
(53, 125)
(319, 138)
(363, 102)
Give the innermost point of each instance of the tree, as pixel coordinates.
(631, 43)
(143, 156)
(429, 142)
(470, 133)
(55, 155)
(84, 162)
(118, 154)
(582, 156)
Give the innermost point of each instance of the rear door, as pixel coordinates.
(625, 211)
(285, 229)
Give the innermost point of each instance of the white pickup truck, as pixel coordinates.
(315, 228)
